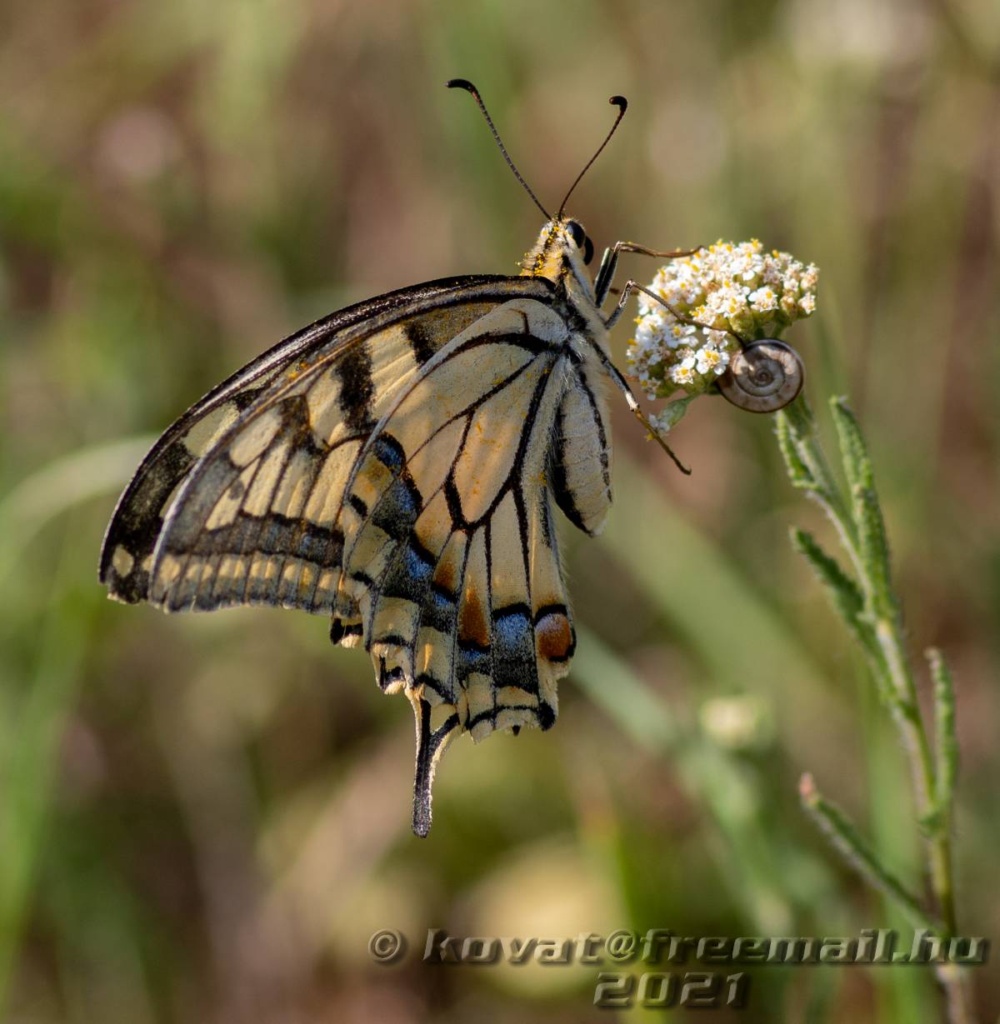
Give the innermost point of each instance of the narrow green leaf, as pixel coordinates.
(807, 466)
(845, 594)
(798, 471)
(873, 543)
(945, 735)
(847, 841)
(853, 450)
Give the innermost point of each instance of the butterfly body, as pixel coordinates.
(394, 465)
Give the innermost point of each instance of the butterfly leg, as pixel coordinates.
(634, 286)
(609, 263)
(430, 746)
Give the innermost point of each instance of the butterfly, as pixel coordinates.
(395, 465)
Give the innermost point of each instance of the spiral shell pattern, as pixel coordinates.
(763, 377)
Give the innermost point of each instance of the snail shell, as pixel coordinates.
(763, 377)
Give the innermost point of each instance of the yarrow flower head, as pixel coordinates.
(718, 297)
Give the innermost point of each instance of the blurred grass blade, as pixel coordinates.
(60, 485)
(614, 687)
(687, 579)
(767, 874)
(37, 704)
(30, 753)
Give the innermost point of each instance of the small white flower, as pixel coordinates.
(728, 301)
(679, 333)
(683, 372)
(649, 329)
(763, 300)
(711, 360)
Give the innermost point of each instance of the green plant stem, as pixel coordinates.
(915, 737)
(887, 651)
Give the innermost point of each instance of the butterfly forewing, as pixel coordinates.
(138, 519)
(394, 465)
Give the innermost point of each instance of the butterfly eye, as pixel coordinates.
(580, 239)
(575, 229)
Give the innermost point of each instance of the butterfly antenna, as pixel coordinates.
(462, 83)
(622, 104)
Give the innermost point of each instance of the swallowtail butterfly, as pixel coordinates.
(395, 466)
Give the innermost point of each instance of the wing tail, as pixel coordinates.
(430, 746)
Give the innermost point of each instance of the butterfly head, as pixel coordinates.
(563, 250)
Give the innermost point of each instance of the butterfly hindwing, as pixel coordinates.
(581, 454)
(451, 572)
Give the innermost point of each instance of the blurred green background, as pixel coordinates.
(204, 818)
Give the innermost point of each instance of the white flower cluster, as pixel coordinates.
(728, 289)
